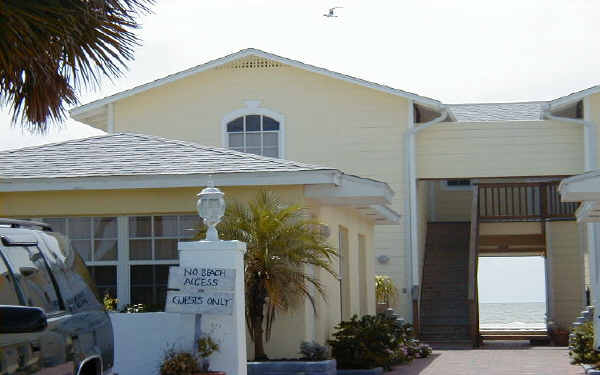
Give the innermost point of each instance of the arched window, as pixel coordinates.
(254, 134)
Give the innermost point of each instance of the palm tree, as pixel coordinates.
(49, 48)
(281, 242)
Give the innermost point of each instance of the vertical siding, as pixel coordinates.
(500, 149)
(567, 272)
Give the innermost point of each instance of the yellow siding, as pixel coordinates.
(327, 122)
(594, 101)
(123, 202)
(567, 272)
(500, 149)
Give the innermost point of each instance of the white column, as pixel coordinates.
(229, 331)
(123, 271)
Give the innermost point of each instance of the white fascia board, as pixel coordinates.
(583, 187)
(329, 177)
(351, 190)
(78, 112)
(572, 98)
(387, 215)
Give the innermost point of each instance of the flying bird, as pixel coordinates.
(332, 12)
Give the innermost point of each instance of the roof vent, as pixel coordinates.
(252, 62)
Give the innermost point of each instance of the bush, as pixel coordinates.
(581, 345)
(375, 341)
(313, 351)
(179, 363)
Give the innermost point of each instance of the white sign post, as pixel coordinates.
(210, 282)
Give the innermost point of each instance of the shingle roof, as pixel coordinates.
(497, 111)
(126, 154)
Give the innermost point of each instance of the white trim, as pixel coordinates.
(253, 108)
(123, 272)
(573, 98)
(79, 113)
(307, 177)
(110, 119)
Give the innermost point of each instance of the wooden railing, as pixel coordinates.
(533, 201)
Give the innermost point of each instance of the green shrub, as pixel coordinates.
(363, 343)
(581, 345)
(375, 341)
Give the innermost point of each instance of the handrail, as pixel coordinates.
(530, 201)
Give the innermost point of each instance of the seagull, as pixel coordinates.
(331, 12)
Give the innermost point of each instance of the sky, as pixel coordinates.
(513, 279)
(460, 51)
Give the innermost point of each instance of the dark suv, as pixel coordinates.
(51, 321)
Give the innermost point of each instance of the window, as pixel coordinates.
(254, 134)
(149, 285)
(137, 271)
(33, 277)
(362, 274)
(96, 241)
(152, 250)
(8, 294)
(344, 271)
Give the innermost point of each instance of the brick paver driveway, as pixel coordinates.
(494, 359)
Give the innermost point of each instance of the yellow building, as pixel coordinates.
(125, 200)
(470, 179)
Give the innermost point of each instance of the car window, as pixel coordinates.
(75, 284)
(33, 277)
(8, 294)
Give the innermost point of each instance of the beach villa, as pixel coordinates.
(470, 180)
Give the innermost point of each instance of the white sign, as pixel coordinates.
(198, 278)
(200, 303)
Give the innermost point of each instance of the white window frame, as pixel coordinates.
(445, 187)
(123, 263)
(253, 108)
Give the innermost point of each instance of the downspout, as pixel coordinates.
(593, 229)
(413, 217)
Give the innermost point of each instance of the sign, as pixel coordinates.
(198, 278)
(200, 303)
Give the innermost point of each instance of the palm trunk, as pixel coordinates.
(259, 348)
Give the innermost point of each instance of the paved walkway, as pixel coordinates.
(494, 359)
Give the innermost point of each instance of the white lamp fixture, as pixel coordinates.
(211, 208)
(383, 259)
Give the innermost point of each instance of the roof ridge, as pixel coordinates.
(497, 103)
(27, 148)
(74, 112)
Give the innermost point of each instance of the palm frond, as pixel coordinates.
(51, 48)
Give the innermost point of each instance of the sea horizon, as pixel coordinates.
(512, 314)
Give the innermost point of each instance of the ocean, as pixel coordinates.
(529, 315)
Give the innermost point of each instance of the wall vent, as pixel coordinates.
(251, 63)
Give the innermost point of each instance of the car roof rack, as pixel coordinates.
(14, 223)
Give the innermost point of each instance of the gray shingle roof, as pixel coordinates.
(529, 111)
(126, 154)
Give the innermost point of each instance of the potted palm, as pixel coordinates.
(280, 242)
(206, 347)
(385, 292)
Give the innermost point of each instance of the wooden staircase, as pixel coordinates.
(445, 314)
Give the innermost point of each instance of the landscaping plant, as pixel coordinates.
(313, 351)
(206, 347)
(280, 243)
(581, 345)
(179, 363)
(375, 341)
(385, 291)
